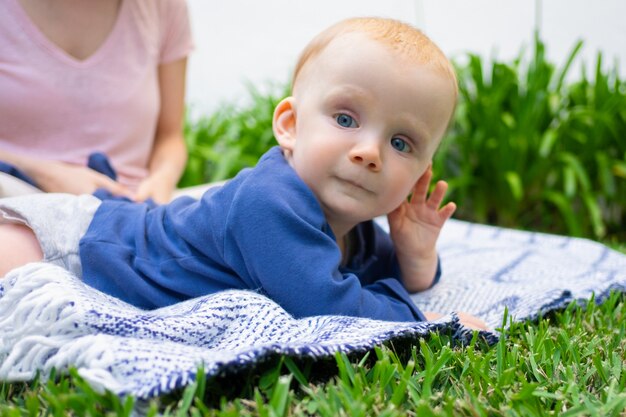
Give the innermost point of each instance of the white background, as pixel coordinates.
(251, 41)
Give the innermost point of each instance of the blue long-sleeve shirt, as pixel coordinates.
(264, 230)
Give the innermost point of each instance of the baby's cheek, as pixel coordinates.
(395, 200)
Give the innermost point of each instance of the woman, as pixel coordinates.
(106, 76)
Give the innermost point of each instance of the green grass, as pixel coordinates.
(568, 364)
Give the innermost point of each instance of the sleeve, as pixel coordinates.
(281, 246)
(176, 39)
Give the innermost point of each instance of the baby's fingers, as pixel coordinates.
(436, 197)
(420, 190)
(447, 211)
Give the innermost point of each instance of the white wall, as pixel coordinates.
(489, 27)
(240, 41)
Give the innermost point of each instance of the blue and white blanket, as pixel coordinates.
(50, 319)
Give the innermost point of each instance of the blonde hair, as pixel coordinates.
(400, 37)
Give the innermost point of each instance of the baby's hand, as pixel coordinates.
(414, 228)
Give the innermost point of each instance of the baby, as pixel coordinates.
(371, 100)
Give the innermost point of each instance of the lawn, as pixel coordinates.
(568, 364)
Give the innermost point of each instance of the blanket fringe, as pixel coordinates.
(38, 316)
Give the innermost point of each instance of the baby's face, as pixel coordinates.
(367, 126)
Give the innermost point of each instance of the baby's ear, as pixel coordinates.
(284, 123)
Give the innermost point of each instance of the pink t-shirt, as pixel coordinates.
(57, 107)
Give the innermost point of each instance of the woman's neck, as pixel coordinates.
(78, 27)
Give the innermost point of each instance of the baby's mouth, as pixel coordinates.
(354, 184)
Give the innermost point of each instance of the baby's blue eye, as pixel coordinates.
(345, 121)
(400, 145)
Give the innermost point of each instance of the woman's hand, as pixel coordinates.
(61, 177)
(157, 187)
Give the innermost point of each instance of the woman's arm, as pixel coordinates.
(169, 154)
(61, 177)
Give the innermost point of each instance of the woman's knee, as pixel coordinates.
(18, 246)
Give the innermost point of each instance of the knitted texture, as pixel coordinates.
(488, 269)
(50, 319)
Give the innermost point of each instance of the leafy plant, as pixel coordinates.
(232, 138)
(527, 150)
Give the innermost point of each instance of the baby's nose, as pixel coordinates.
(366, 154)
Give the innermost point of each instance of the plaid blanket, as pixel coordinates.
(50, 319)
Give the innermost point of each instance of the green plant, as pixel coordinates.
(231, 139)
(527, 150)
